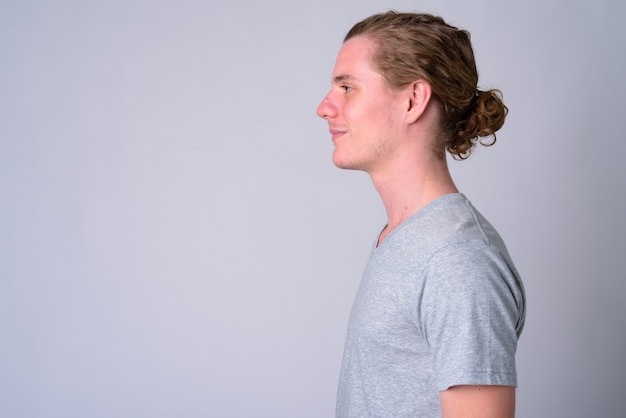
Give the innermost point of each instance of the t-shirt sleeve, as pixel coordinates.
(469, 315)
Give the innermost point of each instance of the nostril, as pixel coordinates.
(321, 112)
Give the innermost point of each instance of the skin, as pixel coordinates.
(388, 134)
(478, 401)
(392, 136)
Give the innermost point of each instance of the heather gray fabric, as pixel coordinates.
(440, 304)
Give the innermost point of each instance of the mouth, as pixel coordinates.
(336, 134)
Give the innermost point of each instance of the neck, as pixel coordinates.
(407, 188)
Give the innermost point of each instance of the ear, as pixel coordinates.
(419, 93)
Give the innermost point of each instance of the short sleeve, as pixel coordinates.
(470, 316)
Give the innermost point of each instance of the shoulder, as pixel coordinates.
(473, 276)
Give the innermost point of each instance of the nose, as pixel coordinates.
(326, 109)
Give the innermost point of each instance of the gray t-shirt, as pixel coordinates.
(440, 304)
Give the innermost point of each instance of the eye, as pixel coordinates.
(345, 89)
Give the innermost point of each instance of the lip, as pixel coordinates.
(337, 133)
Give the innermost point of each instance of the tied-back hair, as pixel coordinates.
(410, 47)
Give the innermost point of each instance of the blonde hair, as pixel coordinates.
(412, 46)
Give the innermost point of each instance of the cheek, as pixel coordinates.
(359, 114)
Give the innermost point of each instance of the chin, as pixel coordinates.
(346, 164)
(339, 161)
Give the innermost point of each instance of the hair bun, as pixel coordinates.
(484, 116)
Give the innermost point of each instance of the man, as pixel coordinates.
(435, 323)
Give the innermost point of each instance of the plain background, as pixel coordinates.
(175, 241)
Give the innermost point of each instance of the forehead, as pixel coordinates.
(354, 59)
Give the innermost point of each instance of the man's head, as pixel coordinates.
(366, 117)
(410, 47)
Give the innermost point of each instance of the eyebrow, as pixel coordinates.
(341, 78)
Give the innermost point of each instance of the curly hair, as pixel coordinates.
(412, 46)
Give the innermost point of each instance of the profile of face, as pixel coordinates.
(363, 113)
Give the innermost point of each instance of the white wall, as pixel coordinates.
(175, 242)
